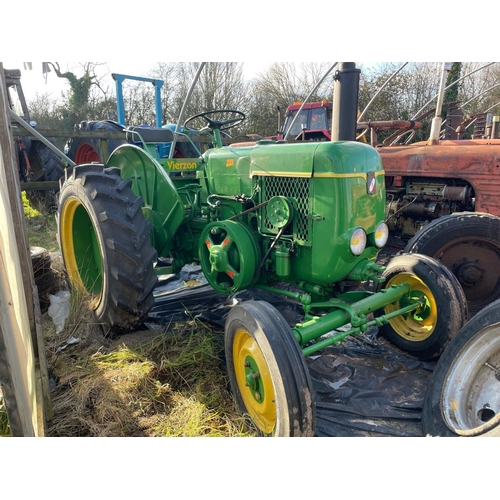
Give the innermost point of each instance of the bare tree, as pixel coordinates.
(221, 86)
(479, 91)
(166, 72)
(282, 84)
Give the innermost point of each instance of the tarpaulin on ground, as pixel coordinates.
(363, 387)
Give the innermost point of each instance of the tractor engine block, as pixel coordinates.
(412, 206)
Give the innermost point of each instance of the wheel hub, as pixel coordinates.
(218, 259)
(477, 273)
(252, 377)
(470, 400)
(469, 273)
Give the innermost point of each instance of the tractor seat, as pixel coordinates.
(149, 134)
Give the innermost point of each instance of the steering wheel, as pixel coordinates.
(219, 124)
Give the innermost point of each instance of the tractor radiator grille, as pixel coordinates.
(293, 188)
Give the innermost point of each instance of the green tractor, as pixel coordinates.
(261, 215)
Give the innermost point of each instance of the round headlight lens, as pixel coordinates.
(358, 241)
(381, 235)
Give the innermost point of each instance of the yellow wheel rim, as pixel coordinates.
(254, 381)
(417, 325)
(81, 254)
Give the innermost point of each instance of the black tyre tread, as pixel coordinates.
(50, 161)
(42, 157)
(95, 126)
(447, 224)
(452, 306)
(432, 421)
(430, 239)
(47, 166)
(290, 360)
(129, 254)
(45, 282)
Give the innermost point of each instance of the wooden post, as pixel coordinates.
(23, 365)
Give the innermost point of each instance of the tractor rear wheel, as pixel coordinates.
(106, 245)
(424, 333)
(462, 398)
(84, 150)
(45, 166)
(267, 371)
(469, 245)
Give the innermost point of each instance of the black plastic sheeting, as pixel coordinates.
(364, 387)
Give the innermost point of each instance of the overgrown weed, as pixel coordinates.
(165, 382)
(4, 421)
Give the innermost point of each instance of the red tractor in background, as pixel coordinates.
(314, 122)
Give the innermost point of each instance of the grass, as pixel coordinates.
(41, 226)
(165, 382)
(4, 421)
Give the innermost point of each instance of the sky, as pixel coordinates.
(34, 81)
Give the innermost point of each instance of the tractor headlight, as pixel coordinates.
(381, 235)
(358, 241)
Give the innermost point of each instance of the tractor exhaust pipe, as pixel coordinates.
(345, 102)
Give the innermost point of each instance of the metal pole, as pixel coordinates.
(120, 107)
(158, 104)
(40, 137)
(450, 85)
(380, 90)
(345, 102)
(183, 110)
(437, 120)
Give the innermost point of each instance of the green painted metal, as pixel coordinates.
(253, 381)
(86, 248)
(279, 211)
(266, 213)
(341, 336)
(228, 255)
(345, 313)
(162, 204)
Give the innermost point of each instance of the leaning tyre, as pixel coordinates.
(425, 332)
(468, 244)
(44, 275)
(462, 398)
(40, 260)
(267, 371)
(84, 150)
(106, 246)
(45, 165)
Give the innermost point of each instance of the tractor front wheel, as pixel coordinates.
(106, 246)
(267, 371)
(426, 331)
(462, 398)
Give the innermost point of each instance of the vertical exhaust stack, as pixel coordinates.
(345, 102)
(437, 121)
